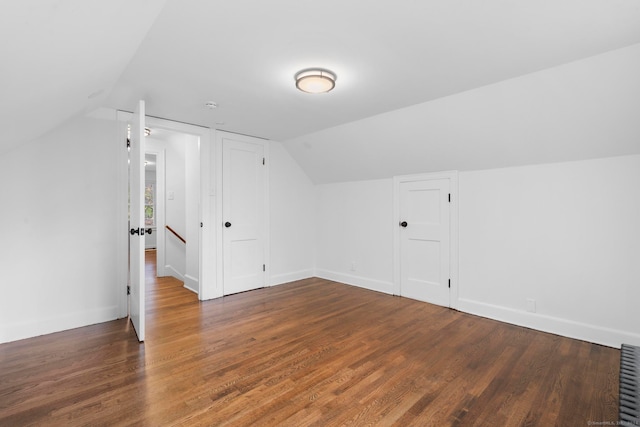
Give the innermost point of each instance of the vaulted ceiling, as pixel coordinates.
(61, 58)
(65, 57)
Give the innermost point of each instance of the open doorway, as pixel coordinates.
(197, 192)
(151, 207)
(172, 200)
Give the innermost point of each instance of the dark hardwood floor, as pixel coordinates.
(312, 352)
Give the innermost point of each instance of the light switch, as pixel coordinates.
(170, 195)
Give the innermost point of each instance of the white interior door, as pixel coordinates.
(136, 220)
(243, 213)
(425, 240)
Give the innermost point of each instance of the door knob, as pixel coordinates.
(403, 224)
(134, 231)
(227, 224)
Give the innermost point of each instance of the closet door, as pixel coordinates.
(244, 213)
(424, 224)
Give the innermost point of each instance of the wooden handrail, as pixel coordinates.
(175, 234)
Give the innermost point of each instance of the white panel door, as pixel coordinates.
(243, 208)
(136, 219)
(425, 240)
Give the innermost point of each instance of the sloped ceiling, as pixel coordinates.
(388, 55)
(582, 110)
(62, 58)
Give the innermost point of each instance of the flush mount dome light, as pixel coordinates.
(315, 80)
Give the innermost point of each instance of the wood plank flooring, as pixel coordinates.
(308, 353)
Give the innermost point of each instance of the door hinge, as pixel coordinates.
(449, 197)
(128, 143)
(128, 290)
(264, 267)
(449, 283)
(263, 160)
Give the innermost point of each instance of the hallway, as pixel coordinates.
(164, 295)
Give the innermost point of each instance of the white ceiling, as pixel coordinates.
(388, 54)
(243, 55)
(61, 58)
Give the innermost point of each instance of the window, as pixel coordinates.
(149, 205)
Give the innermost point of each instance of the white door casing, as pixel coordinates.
(425, 252)
(200, 228)
(136, 239)
(244, 213)
(210, 257)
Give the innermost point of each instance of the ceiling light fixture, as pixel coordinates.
(315, 80)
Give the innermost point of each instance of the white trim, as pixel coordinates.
(267, 211)
(452, 176)
(359, 281)
(207, 282)
(174, 273)
(191, 283)
(555, 325)
(208, 231)
(21, 330)
(218, 291)
(122, 208)
(293, 276)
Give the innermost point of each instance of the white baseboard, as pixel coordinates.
(173, 272)
(279, 279)
(37, 327)
(362, 282)
(568, 328)
(191, 283)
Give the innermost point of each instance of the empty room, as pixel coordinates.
(295, 213)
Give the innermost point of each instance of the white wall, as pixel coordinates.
(59, 225)
(355, 233)
(58, 230)
(582, 110)
(566, 235)
(175, 211)
(292, 218)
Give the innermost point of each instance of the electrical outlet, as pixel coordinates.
(531, 305)
(353, 266)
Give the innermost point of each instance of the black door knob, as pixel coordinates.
(403, 224)
(227, 224)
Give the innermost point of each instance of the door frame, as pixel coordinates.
(207, 249)
(452, 176)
